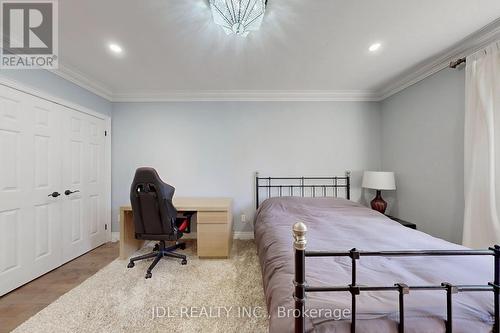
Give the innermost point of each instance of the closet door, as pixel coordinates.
(47, 148)
(44, 242)
(30, 168)
(96, 182)
(83, 173)
(15, 211)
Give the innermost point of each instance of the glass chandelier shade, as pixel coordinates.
(238, 16)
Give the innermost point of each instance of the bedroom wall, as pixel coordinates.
(214, 148)
(56, 86)
(423, 142)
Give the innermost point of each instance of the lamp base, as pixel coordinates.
(378, 203)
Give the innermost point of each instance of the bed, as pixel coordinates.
(397, 280)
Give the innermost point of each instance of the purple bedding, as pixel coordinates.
(339, 225)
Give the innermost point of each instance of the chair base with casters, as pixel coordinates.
(160, 251)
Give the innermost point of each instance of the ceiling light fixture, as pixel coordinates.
(238, 16)
(374, 47)
(115, 48)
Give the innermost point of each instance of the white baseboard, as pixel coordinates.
(243, 235)
(115, 235)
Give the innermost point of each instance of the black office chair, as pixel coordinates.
(155, 217)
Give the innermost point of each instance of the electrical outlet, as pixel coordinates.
(243, 218)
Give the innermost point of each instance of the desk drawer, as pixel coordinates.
(213, 240)
(212, 218)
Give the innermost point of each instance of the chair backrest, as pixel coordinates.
(151, 199)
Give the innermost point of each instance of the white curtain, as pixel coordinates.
(482, 149)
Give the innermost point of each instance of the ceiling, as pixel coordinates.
(173, 46)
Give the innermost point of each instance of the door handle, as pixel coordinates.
(54, 194)
(68, 192)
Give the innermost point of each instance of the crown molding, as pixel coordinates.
(31, 90)
(249, 96)
(469, 45)
(424, 69)
(82, 80)
(70, 74)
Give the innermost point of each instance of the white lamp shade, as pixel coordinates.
(379, 180)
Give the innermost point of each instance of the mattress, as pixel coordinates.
(339, 225)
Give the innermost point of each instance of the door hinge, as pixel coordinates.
(106, 226)
(105, 133)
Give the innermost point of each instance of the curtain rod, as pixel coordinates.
(454, 64)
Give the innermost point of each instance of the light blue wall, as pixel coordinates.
(54, 85)
(423, 142)
(214, 148)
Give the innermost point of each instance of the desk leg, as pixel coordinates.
(128, 243)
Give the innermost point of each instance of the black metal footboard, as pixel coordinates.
(301, 288)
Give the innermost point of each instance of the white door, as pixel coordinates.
(44, 242)
(30, 168)
(14, 188)
(96, 184)
(47, 148)
(83, 174)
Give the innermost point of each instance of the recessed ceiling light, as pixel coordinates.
(115, 48)
(374, 47)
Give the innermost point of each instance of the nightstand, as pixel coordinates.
(403, 222)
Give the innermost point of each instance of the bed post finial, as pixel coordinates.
(300, 242)
(348, 184)
(256, 190)
(299, 235)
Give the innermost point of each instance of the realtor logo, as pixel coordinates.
(29, 34)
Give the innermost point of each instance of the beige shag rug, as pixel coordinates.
(203, 296)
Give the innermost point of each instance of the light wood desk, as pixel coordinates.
(214, 222)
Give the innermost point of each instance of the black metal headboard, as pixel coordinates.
(302, 187)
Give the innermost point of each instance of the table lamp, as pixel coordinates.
(378, 180)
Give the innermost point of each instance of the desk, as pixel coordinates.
(214, 222)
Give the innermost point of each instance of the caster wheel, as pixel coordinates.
(148, 275)
(184, 262)
(130, 265)
(182, 246)
(156, 248)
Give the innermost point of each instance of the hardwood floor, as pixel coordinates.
(22, 303)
